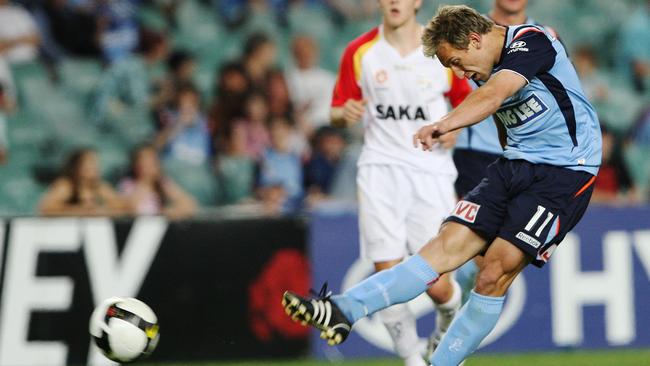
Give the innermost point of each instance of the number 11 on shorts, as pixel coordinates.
(533, 221)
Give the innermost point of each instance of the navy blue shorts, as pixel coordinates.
(532, 206)
(472, 168)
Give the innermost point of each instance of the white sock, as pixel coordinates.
(446, 311)
(400, 322)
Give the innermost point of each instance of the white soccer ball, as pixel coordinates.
(125, 329)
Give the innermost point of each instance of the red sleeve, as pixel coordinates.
(459, 89)
(347, 85)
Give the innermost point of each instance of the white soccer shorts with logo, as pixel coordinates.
(400, 209)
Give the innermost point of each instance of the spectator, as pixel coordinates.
(19, 38)
(149, 192)
(235, 168)
(230, 89)
(320, 170)
(180, 71)
(593, 81)
(80, 191)
(613, 183)
(277, 92)
(117, 28)
(635, 47)
(254, 123)
(183, 134)
(310, 86)
(258, 60)
(127, 83)
(280, 181)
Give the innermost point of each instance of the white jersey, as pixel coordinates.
(403, 93)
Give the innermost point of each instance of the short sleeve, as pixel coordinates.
(529, 53)
(346, 83)
(458, 90)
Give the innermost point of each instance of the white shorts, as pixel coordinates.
(400, 209)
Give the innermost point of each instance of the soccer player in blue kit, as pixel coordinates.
(477, 146)
(531, 198)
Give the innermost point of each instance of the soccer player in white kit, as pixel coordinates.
(404, 194)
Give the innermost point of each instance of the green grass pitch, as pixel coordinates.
(581, 358)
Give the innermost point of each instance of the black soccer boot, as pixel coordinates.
(319, 312)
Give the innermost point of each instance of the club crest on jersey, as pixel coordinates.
(521, 112)
(381, 77)
(466, 211)
(399, 112)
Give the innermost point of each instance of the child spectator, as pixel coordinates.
(80, 191)
(149, 192)
(184, 134)
(231, 87)
(256, 117)
(280, 181)
(320, 170)
(235, 168)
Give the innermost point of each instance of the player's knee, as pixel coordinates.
(489, 277)
(442, 290)
(440, 254)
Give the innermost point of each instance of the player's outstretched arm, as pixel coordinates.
(480, 104)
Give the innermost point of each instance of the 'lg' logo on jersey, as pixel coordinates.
(466, 211)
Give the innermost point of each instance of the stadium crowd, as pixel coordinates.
(226, 103)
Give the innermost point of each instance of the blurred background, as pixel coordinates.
(212, 116)
(232, 96)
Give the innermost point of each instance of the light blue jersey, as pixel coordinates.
(548, 121)
(484, 136)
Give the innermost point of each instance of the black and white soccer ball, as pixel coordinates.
(125, 329)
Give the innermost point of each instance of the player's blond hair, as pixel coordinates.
(453, 24)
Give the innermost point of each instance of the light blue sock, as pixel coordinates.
(396, 285)
(466, 276)
(473, 322)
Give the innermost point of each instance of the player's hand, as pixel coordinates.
(353, 110)
(427, 137)
(448, 140)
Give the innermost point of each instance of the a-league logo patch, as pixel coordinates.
(466, 211)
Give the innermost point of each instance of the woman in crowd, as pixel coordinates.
(80, 191)
(149, 192)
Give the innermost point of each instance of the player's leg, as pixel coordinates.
(503, 262)
(466, 276)
(401, 325)
(434, 200)
(384, 202)
(472, 168)
(453, 246)
(543, 197)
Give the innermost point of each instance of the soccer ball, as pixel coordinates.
(125, 329)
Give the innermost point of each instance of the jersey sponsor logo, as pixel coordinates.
(521, 112)
(519, 46)
(528, 239)
(398, 112)
(466, 211)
